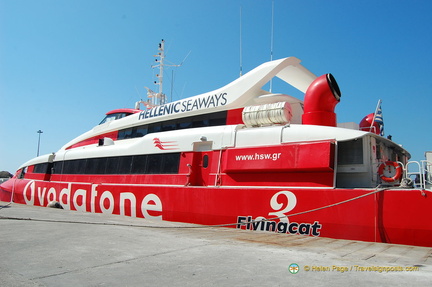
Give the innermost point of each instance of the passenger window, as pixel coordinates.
(350, 152)
(205, 161)
(22, 173)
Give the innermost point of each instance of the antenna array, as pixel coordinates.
(159, 98)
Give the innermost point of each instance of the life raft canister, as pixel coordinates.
(389, 164)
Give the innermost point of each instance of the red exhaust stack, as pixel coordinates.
(321, 98)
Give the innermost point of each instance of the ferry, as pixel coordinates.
(242, 157)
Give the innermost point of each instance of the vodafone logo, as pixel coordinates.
(94, 198)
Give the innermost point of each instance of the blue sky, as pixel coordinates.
(64, 64)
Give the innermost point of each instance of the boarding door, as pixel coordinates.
(200, 169)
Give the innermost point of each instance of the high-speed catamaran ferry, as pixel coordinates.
(243, 157)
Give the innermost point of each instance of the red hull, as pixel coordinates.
(393, 216)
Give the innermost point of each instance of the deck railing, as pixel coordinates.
(419, 173)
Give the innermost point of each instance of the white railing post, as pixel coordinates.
(419, 173)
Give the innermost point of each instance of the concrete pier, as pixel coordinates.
(54, 247)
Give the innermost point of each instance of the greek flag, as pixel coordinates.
(379, 118)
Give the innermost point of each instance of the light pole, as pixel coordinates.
(39, 132)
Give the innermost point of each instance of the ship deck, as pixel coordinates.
(54, 247)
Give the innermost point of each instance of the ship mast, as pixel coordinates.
(159, 98)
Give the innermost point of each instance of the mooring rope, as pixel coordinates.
(4, 206)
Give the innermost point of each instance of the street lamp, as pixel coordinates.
(39, 132)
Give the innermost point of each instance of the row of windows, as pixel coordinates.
(214, 119)
(138, 164)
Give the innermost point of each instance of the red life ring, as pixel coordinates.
(398, 171)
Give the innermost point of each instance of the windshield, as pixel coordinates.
(112, 117)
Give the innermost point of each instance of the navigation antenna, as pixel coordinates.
(271, 42)
(159, 98)
(241, 56)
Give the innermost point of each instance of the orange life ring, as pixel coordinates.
(397, 175)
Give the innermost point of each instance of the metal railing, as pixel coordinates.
(421, 172)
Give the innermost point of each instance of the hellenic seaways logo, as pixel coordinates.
(187, 105)
(283, 225)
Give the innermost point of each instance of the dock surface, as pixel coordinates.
(54, 247)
